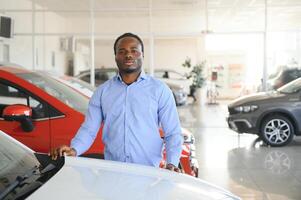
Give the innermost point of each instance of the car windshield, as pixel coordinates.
(67, 95)
(15, 160)
(78, 85)
(291, 87)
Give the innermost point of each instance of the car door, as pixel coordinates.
(39, 138)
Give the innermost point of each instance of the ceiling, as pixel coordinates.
(223, 15)
(213, 15)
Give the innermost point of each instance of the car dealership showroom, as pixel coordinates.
(232, 70)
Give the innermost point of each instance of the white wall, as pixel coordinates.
(15, 4)
(21, 45)
(21, 50)
(168, 53)
(171, 53)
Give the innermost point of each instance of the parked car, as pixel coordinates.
(282, 77)
(275, 116)
(23, 172)
(101, 75)
(175, 77)
(104, 74)
(75, 83)
(54, 112)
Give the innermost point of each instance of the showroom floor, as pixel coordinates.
(241, 163)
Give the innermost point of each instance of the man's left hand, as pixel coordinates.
(171, 167)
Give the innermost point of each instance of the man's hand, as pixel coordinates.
(61, 151)
(171, 167)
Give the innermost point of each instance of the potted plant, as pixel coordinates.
(196, 74)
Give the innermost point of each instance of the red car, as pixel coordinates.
(43, 113)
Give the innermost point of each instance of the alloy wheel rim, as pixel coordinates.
(277, 131)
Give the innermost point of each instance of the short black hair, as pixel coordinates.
(128, 35)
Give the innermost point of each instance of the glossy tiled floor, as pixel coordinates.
(241, 163)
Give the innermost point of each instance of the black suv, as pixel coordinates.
(275, 116)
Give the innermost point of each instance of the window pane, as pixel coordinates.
(284, 17)
(236, 15)
(15, 4)
(10, 95)
(22, 22)
(21, 51)
(178, 21)
(63, 22)
(110, 23)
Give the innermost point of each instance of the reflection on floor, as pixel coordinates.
(241, 163)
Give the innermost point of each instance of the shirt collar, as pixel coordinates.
(141, 77)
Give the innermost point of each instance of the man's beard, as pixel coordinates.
(129, 70)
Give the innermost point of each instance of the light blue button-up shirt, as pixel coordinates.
(131, 117)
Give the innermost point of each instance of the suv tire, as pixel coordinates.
(277, 131)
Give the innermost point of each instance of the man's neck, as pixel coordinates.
(130, 78)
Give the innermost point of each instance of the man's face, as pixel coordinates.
(129, 56)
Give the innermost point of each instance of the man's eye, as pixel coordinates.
(136, 52)
(121, 52)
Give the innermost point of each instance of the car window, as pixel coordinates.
(10, 95)
(78, 85)
(175, 75)
(85, 78)
(59, 90)
(169, 74)
(291, 87)
(103, 76)
(159, 74)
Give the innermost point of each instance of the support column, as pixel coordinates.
(92, 40)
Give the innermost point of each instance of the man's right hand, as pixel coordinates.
(61, 151)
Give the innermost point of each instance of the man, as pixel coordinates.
(131, 106)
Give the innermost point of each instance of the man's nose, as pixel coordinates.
(129, 55)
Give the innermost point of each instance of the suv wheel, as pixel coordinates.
(277, 131)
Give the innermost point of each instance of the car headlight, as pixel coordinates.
(246, 109)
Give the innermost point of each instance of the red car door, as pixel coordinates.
(12, 93)
(58, 110)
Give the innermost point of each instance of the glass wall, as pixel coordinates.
(229, 35)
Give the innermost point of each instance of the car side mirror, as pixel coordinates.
(20, 113)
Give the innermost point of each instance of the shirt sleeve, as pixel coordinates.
(169, 118)
(87, 133)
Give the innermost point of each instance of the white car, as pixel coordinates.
(26, 174)
(75, 83)
(171, 76)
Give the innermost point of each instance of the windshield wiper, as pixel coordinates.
(20, 180)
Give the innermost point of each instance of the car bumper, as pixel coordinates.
(240, 125)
